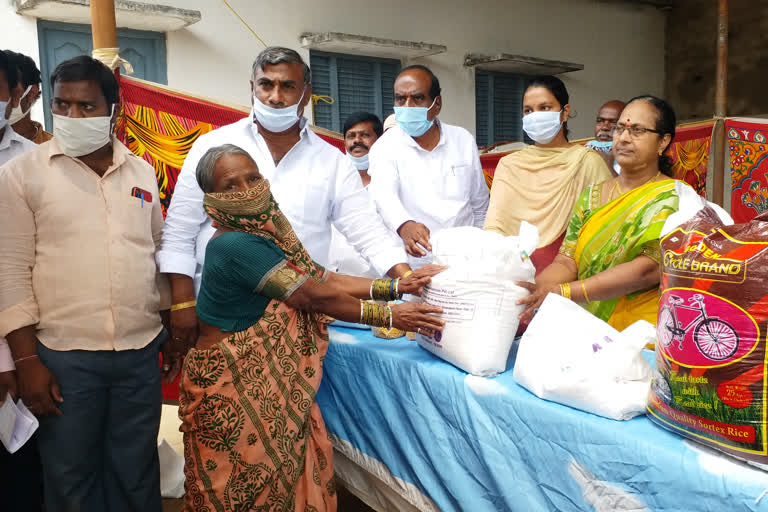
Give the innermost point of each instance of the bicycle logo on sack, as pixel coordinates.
(715, 338)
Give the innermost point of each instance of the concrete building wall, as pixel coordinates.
(692, 57)
(621, 46)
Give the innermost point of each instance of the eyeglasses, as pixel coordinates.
(635, 131)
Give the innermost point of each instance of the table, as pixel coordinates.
(413, 432)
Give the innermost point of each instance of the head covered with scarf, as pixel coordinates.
(253, 211)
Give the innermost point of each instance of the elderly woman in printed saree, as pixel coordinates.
(609, 260)
(254, 438)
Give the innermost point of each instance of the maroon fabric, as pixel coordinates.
(544, 256)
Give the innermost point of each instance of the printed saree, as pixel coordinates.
(600, 237)
(254, 438)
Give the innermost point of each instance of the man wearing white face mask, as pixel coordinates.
(20, 473)
(425, 174)
(316, 185)
(81, 300)
(11, 143)
(20, 118)
(361, 130)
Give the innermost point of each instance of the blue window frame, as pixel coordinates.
(355, 83)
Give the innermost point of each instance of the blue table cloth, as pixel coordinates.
(486, 444)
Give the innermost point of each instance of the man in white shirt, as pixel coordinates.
(315, 184)
(11, 145)
(360, 130)
(20, 473)
(425, 174)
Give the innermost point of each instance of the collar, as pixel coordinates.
(410, 140)
(10, 137)
(119, 153)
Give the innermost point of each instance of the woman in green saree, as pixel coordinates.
(254, 437)
(609, 260)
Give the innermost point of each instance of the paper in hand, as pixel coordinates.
(17, 424)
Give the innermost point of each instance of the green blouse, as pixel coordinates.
(242, 273)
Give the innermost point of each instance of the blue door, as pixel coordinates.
(62, 41)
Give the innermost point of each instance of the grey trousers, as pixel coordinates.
(101, 453)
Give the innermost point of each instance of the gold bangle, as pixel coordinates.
(406, 274)
(184, 305)
(584, 291)
(565, 290)
(382, 289)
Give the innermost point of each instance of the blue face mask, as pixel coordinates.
(413, 120)
(360, 162)
(3, 120)
(601, 146)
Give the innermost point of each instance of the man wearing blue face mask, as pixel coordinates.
(316, 185)
(607, 117)
(425, 174)
(360, 130)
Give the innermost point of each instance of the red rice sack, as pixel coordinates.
(709, 381)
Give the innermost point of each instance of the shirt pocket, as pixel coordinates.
(135, 216)
(456, 181)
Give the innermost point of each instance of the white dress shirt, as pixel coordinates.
(11, 146)
(315, 185)
(442, 188)
(346, 260)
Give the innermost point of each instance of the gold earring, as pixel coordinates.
(661, 152)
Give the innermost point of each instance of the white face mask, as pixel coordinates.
(3, 120)
(360, 162)
(542, 127)
(79, 136)
(17, 114)
(276, 120)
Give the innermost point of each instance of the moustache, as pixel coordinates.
(359, 145)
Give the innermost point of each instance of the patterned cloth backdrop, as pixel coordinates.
(689, 153)
(748, 153)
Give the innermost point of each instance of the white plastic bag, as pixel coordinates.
(569, 356)
(478, 294)
(171, 471)
(690, 203)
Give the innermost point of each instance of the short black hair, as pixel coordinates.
(434, 86)
(666, 120)
(9, 67)
(85, 68)
(363, 117)
(30, 75)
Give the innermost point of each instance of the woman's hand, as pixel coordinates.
(534, 300)
(412, 316)
(418, 279)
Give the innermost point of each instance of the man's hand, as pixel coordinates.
(184, 328)
(415, 238)
(173, 356)
(183, 322)
(38, 388)
(8, 386)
